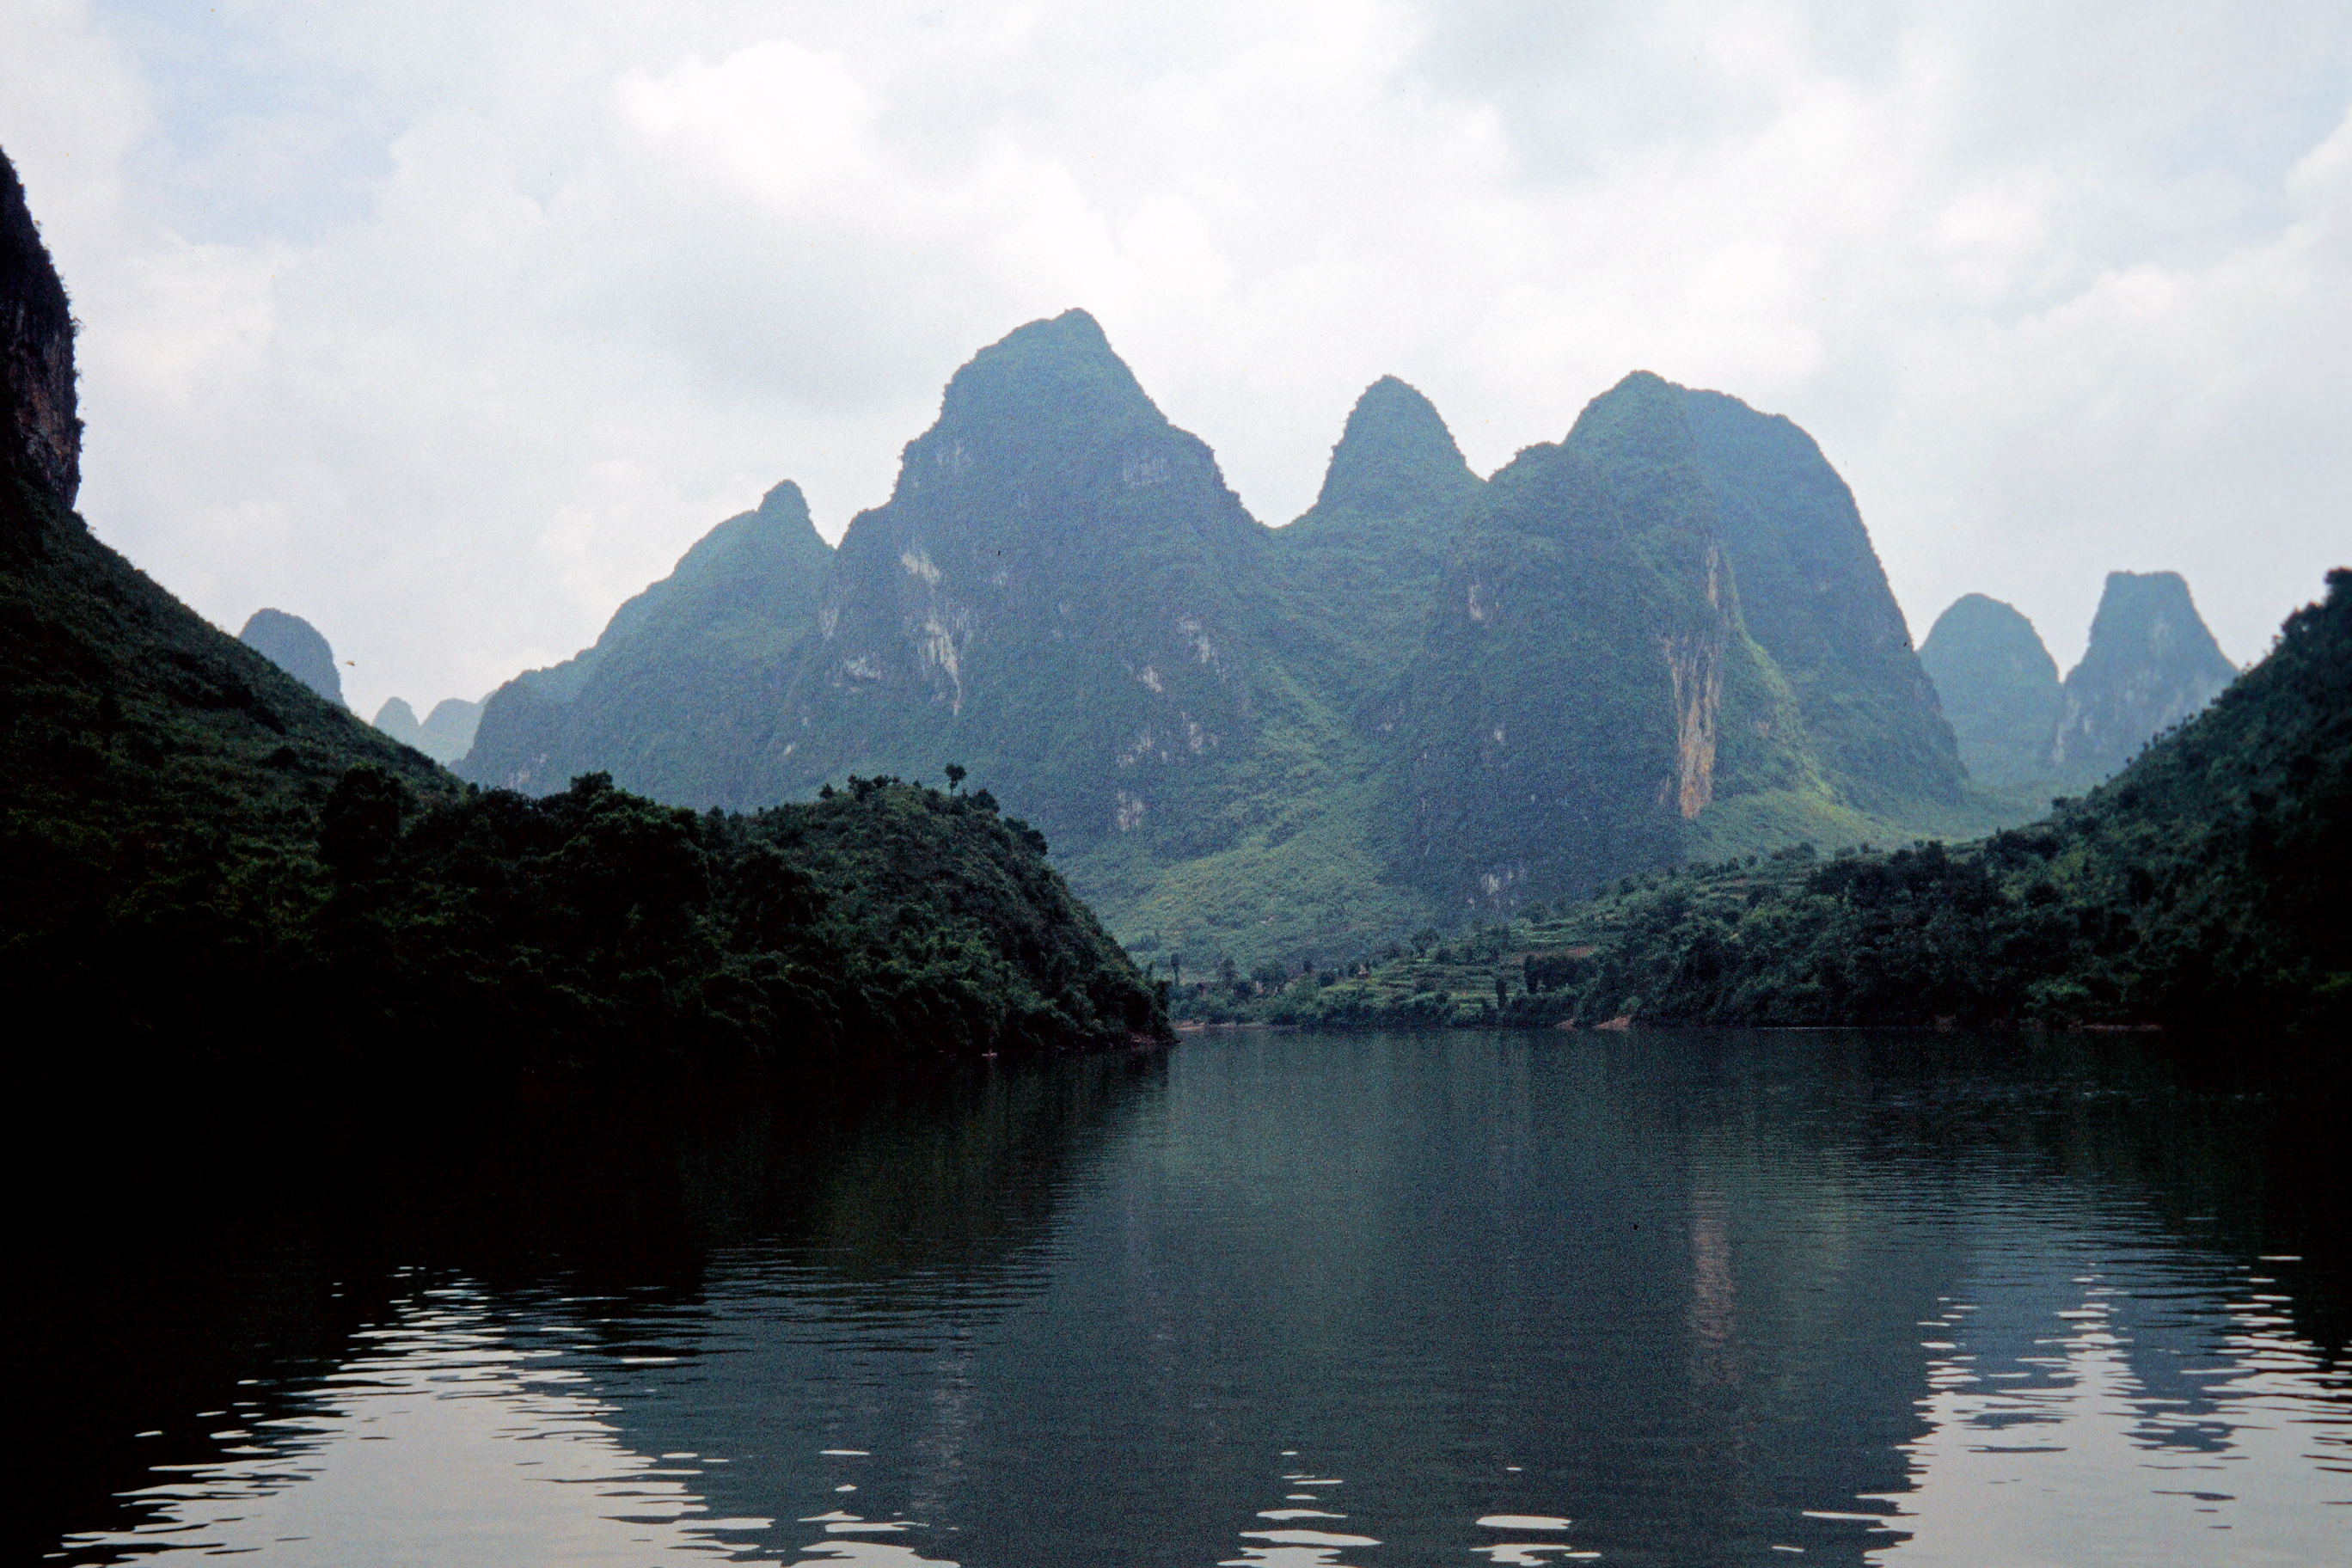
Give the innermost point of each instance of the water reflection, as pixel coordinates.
(444, 1440)
(1332, 1300)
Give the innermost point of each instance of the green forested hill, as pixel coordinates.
(1586, 678)
(1814, 597)
(2201, 887)
(1354, 579)
(669, 699)
(1427, 697)
(209, 871)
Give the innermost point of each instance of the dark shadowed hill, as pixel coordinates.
(294, 646)
(1999, 686)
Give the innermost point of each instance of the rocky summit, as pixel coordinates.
(2151, 663)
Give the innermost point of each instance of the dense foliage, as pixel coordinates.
(203, 863)
(601, 927)
(2201, 886)
(667, 698)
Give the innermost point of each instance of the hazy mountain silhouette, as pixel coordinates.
(294, 646)
(2000, 688)
(2150, 664)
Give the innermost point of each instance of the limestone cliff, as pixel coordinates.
(1054, 595)
(37, 334)
(1815, 598)
(2151, 663)
(1587, 686)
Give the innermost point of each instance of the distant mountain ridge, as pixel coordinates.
(445, 734)
(1431, 694)
(295, 646)
(2150, 664)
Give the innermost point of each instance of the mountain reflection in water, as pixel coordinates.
(1281, 1300)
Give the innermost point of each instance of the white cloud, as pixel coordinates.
(448, 327)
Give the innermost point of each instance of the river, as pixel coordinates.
(1283, 1299)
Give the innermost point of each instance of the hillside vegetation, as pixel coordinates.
(2199, 888)
(204, 865)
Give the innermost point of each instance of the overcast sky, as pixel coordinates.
(449, 325)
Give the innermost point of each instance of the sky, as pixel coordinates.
(449, 326)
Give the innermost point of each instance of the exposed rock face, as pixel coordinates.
(1999, 686)
(1587, 684)
(37, 332)
(2151, 663)
(294, 646)
(679, 693)
(1815, 598)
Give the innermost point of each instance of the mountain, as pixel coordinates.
(450, 728)
(2199, 889)
(213, 877)
(294, 646)
(1586, 675)
(1356, 572)
(1815, 598)
(1054, 595)
(1674, 617)
(446, 736)
(2150, 664)
(398, 719)
(1428, 694)
(675, 697)
(1999, 686)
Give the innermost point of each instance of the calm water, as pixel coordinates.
(1270, 1298)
